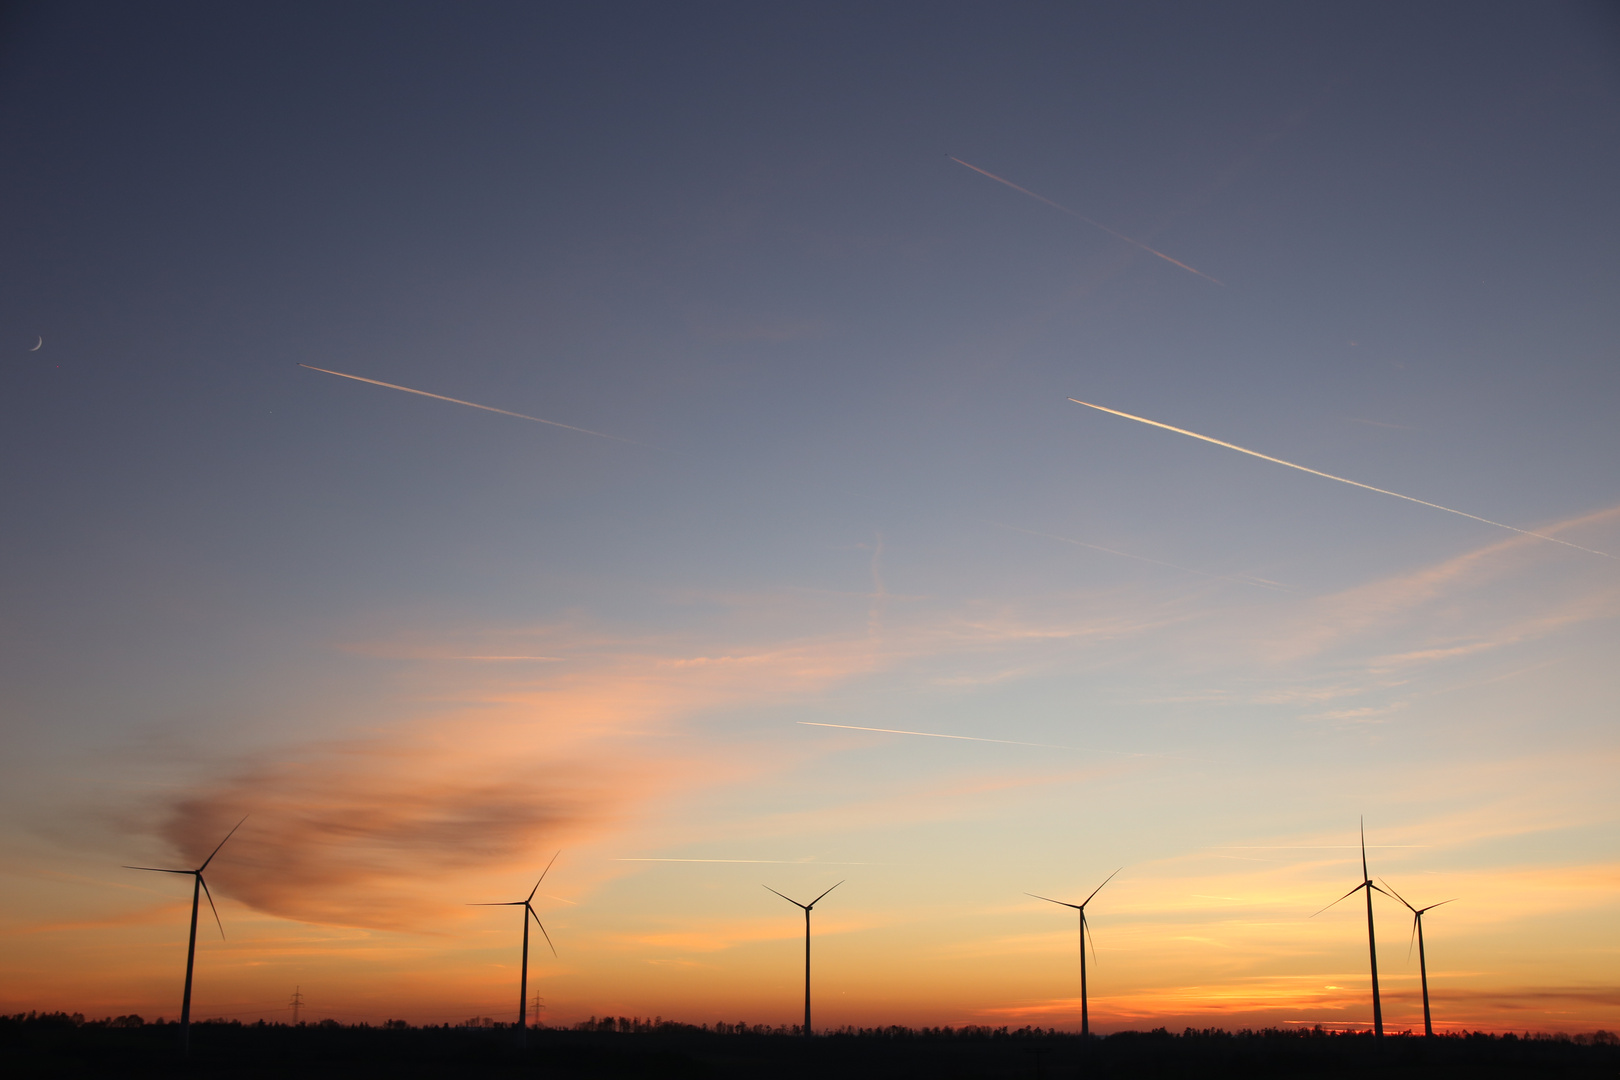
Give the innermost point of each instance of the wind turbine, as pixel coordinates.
(527, 904)
(807, 908)
(1423, 966)
(199, 888)
(1085, 1017)
(1372, 944)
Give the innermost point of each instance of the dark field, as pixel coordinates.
(62, 1046)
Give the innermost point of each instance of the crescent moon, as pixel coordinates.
(36, 348)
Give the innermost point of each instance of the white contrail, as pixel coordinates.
(1258, 583)
(1088, 221)
(471, 404)
(1340, 479)
(965, 738)
(787, 862)
(1308, 847)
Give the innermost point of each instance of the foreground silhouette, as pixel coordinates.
(1085, 930)
(807, 1029)
(527, 904)
(199, 887)
(1369, 888)
(59, 1045)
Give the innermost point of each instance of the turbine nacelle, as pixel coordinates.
(527, 903)
(807, 907)
(198, 874)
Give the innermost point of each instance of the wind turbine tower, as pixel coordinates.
(1085, 1016)
(527, 904)
(199, 888)
(807, 908)
(1423, 964)
(1372, 944)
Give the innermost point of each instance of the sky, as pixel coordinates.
(819, 473)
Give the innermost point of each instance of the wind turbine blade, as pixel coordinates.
(1049, 900)
(817, 900)
(1411, 942)
(543, 933)
(1085, 926)
(1364, 876)
(221, 844)
(502, 903)
(211, 906)
(1341, 899)
(1396, 895)
(160, 870)
(1099, 888)
(1431, 907)
(789, 899)
(543, 874)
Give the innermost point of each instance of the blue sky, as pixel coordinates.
(854, 492)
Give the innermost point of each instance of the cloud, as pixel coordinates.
(1375, 648)
(1380, 606)
(495, 766)
(397, 829)
(351, 832)
(1366, 714)
(703, 935)
(1531, 997)
(1263, 998)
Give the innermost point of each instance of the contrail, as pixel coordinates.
(548, 658)
(1309, 847)
(788, 862)
(1088, 221)
(966, 738)
(1340, 479)
(1258, 583)
(472, 405)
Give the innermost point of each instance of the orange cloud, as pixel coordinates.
(348, 833)
(388, 830)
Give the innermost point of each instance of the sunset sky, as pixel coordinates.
(424, 647)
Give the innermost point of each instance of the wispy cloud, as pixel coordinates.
(1259, 583)
(379, 830)
(1365, 714)
(1422, 603)
(502, 763)
(963, 738)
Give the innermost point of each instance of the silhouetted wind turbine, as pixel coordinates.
(1085, 1017)
(1372, 945)
(199, 888)
(807, 908)
(527, 904)
(1423, 966)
